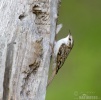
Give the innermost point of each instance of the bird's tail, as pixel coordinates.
(51, 78)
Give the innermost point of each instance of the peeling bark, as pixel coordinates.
(27, 27)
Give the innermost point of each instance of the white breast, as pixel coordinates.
(58, 44)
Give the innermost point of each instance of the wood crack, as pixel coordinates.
(8, 69)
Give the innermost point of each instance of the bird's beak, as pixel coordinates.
(69, 33)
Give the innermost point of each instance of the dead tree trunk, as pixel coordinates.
(27, 27)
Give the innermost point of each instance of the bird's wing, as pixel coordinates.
(61, 56)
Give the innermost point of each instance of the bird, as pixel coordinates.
(61, 51)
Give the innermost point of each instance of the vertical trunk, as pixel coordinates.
(27, 27)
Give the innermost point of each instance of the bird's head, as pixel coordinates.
(70, 41)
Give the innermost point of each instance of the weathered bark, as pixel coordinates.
(27, 27)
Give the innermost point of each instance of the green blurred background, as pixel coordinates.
(81, 73)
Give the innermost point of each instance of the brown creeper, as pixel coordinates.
(61, 50)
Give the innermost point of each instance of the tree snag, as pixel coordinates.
(27, 27)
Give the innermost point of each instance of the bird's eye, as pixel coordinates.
(70, 39)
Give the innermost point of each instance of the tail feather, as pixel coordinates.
(51, 78)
